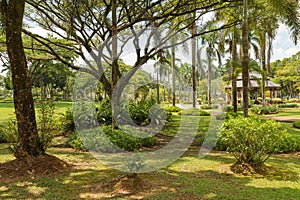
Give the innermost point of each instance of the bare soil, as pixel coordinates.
(43, 165)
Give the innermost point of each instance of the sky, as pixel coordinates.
(283, 46)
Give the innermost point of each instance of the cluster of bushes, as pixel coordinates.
(106, 139)
(142, 113)
(263, 110)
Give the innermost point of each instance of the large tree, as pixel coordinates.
(28, 140)
(95, 33)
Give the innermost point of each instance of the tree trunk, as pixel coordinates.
(173, 76)
(194, 82)
(233, 76)
(28, 140)
(114, 57)
(245, 60)
(263, 64)
(209, 63)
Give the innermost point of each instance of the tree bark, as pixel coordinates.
(28, 140)
(173, 76)
(233, 76)
(263, 64)
(245, 58)
(209, 73)
(194, 82)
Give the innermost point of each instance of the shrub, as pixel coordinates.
(9, 132)
(173, 109)
(293, 100)
(263, 110)
(195, 112)
(288, 105)
(46, 124)
(216, 142)
(106, 139)
(252, 140)
(142, 112)
(104, 112)
(75, 142)
(228, 108)
(276, 100)
(228, 115)
(2, 136)
(204, 113)
(297, 124)
(273, 109)
(206, 106)
(68, 125)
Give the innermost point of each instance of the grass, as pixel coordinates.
(7, 109)
(187, 178)
(190, 177)
(290, 112)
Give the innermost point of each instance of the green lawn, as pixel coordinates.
(188, 178)
(7, 109)
(291, 112)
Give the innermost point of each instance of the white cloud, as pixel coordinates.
(283, 45)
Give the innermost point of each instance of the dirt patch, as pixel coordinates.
(284, 118)
(43, 165)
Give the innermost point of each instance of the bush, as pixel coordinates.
(142, 112)
(293, 100)
(228, 115)
(252, 140)
(288, 105)
(46, 125)
(9, 132)
(215, 141)
(206, 106)
(173, 109)
(2, 136)
(106, 139)
(276, 100)
(104, 112)
(75, 142)
(68, 125)
(273, 109)
(204, 113)
(195, 112)
(297, 124)
(263, 110)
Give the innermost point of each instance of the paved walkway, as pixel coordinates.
(284, 118)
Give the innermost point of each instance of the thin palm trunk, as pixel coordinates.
(245, 60)
(209, 63)
(173, 76)
(233, 68)
(194, 64)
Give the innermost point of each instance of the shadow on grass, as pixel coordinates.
(86, 182)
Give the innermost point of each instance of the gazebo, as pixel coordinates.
(255, 85)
